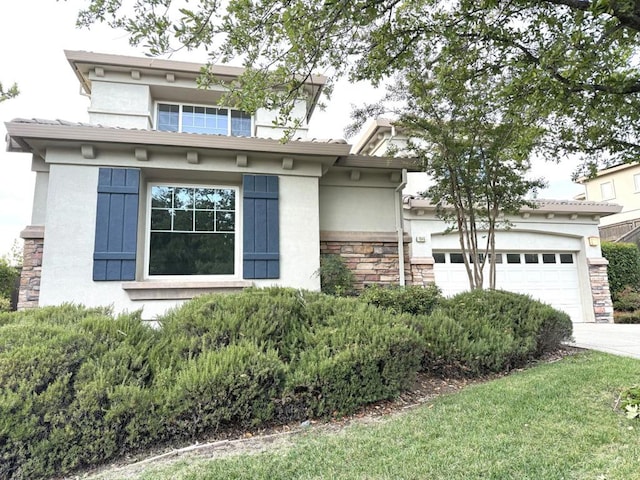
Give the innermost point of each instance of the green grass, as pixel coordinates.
(554, 421)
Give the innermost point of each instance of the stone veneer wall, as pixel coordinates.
(375, 261)
(29, 293)
(602, 304)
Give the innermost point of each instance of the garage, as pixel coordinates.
(551, 277)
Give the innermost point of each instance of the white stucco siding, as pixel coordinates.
(67, 263)
(265, 121)
(357, 209)
(299, 234)
(120, 105)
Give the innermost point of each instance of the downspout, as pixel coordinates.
(399, 227)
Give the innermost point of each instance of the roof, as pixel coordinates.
(374, 127)
(34, 135)
(607, 171)
(544, 206)
(83, 63)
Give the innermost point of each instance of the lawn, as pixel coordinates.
(554, 421)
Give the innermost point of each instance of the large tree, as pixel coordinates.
(576, 58)
(473, 142)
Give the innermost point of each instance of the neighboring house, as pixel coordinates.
(619, 184)
(551, 252)
(165, 195)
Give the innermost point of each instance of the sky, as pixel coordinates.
(33, 37)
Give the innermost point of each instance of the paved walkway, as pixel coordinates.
(613, 338)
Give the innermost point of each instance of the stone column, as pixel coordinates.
(602, 304)
(422, 272)
(29, 293)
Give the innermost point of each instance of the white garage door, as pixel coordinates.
(551, 277)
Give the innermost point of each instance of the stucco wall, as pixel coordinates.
(120, 105)
(625, 192)
(70, 228)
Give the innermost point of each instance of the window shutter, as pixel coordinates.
(261, 237)
(114, 255)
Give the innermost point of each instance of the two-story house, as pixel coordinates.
(165, 194)
(618, 184)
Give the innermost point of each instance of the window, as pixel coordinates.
(548, 258)
(566, 258)
(439, 257)
(636, 182)
(530, 258)
(203, 119)
(192, 230)
(513, 258)
(456, 258)
(607, 191)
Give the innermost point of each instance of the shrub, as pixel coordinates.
(624, 266)
(335, 276)
(484, 331)
(627, 300)
(414, 299)
(8, 276)
(626, 317)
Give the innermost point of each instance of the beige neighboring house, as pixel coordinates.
(619, 184)
(551, 252)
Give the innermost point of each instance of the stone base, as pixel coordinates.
(29, 293)
(602, 304)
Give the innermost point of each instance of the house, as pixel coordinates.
(619, 184)
(165, 195)
(551, 252)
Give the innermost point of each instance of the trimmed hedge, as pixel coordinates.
(413, 299)
(81, 386)
(485, 331)
(624, 266)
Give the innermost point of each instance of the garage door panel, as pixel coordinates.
(556, 284)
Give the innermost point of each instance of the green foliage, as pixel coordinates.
(630, 401)
(8, 277)
(489, 331)
(627, 300)
(624, 266)
(626, 317)
(8, 94)
(335, 276)
(413, 299)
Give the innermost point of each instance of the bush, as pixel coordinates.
(414, 299)
(485, 331)
(624, 266)
(627, 300)
(8, 276)
(335, 276)
(626, 317)
(81, 386)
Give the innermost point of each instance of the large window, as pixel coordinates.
(201, 119)
(192, 230)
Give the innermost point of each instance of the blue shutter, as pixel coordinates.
(114, 255)
(261, 236)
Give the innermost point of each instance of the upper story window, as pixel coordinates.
(173, 117)
(636, 182)
(607, 191)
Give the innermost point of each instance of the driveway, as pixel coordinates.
(613, 338)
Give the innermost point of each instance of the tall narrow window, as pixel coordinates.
(607, 191)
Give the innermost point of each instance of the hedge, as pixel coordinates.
(624, 266)
(81, 386)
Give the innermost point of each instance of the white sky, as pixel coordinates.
(33, 35)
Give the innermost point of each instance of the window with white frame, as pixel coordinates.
(192, 230)
(607, 191)
(173, 117)
(636, 182)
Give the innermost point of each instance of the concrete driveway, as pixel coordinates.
(608, 337)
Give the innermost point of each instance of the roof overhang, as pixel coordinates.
(541, 207)
(83, 63)
(34, 136)
(607, 171)
(372, 130)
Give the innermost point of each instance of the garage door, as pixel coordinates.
(551, 277)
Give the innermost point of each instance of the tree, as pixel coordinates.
(10, 93)
(472, 141)
(576, 58)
